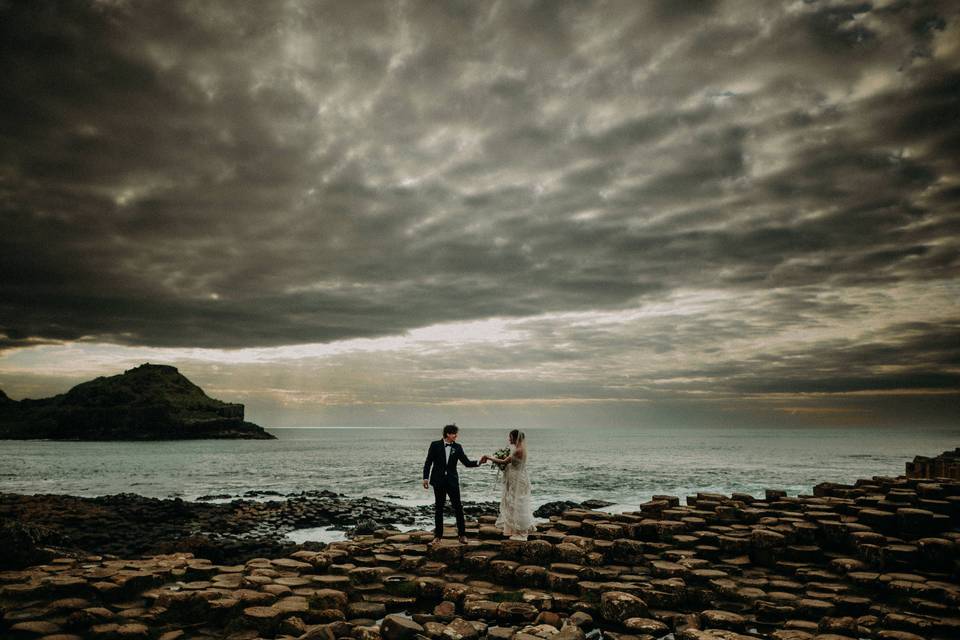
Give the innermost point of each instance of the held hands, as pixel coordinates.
(484, 459)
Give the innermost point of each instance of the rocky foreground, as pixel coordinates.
(878, 559)
(128, 525)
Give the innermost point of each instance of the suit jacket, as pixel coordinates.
(436, 467)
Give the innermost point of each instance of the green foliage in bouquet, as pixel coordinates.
(500, 453)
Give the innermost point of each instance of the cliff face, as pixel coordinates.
(149, 402)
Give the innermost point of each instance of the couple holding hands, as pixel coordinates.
(440, 471)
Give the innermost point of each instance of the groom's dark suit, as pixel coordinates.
(442, 473)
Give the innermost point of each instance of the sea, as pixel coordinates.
(625, 466)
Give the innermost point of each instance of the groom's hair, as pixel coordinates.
(450, 428)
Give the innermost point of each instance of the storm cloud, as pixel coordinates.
(206, 175)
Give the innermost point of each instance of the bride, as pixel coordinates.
(516, 513)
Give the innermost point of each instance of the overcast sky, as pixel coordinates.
(532, 213)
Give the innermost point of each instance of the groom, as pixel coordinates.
(442, 457)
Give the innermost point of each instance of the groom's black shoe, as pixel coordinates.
(463, 539)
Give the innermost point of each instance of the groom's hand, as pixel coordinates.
(426, 484)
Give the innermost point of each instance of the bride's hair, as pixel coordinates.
(516, 436)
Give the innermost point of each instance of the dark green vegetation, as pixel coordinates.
(149, 402)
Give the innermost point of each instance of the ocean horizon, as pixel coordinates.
(621, 465)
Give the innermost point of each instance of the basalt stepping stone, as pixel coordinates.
(867, 579)
(592, 572)
(646, 626)
(293, 581)
(516, 612)
(250, 598)
(802, 625)
(256, 581)
(291, 564)
(569, 552)
(456, 591)
(790, 634)
(812, 608)
(430, 587)
(503, 570)
(906, 622)
(432, 568)
(846, 625)
(882, 521)
(480, 609)
(98, 573)
(460, 629)
(410, 562)
(847, 565)
(690, 563)
(750, 594)
(341, 568)
(617, 606)
(341, 583)
(263, 619)
(371, 610)
(696, 576)
(34, 628)
(395, 627)
(445, 611)
(853, 605)
(105, 630)
(537, 551)
(767, 611)
(328, 599)
(664, 568)
(889, 634)
(292, 604)
(278, 590)
(719, 619)
(531, 575)
(567, 525)
(133, 630)
(564, 582)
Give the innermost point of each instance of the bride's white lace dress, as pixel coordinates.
(516, 511)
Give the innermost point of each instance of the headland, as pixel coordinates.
(149, 402)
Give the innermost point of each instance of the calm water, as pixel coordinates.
(624, 466)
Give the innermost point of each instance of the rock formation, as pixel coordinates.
(149, 402)
(879, 559)
(945, 465)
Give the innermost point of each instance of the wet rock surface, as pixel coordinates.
(129, 525)
(848, 561)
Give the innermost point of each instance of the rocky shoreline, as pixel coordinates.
(876, 559)
(129, 525)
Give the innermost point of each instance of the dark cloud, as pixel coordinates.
(240, 175)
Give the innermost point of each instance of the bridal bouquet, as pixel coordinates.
(500, 453)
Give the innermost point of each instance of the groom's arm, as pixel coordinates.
(467, 462)
(427, 463)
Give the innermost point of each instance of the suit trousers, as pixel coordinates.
(440, 492)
